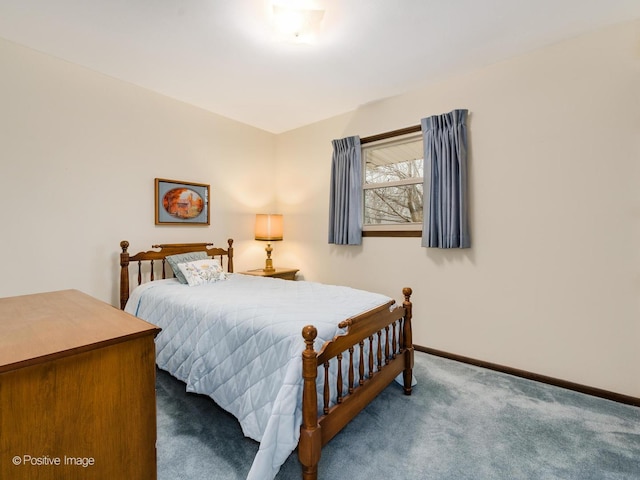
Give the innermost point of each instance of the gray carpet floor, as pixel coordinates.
(461, 422)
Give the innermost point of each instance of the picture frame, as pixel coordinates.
(181, 203)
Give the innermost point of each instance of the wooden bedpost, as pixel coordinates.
(408, 341)
(230, 256)
(124, 274)
(310, 444)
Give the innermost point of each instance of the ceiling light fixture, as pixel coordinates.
(296, 22)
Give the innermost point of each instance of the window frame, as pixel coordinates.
(412, 230)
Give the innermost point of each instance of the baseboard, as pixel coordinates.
(596, 392)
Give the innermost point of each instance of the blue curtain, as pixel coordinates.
(445, 181)
(345, 207)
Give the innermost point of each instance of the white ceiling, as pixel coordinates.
(221, 55)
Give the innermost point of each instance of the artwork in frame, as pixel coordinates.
(181, 203)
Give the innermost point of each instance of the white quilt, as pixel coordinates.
(239, 341)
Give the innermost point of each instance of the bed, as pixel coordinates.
(293, 361)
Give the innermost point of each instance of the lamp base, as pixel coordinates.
(269, 263)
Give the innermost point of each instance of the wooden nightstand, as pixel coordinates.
(284, 273)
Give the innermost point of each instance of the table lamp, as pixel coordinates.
(268, 229)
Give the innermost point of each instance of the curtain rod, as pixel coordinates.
(394, 133)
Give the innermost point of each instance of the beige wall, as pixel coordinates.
(552, 282)
(79, 153)
(551, 285)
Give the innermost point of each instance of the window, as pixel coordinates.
(393, 180)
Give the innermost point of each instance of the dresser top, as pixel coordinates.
(44, 326)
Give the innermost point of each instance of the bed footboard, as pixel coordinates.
(377, 347)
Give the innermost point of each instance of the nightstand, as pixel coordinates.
(284, 273)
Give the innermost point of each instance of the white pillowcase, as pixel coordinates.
(200, 272)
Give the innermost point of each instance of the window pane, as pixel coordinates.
(393, 205)
(394, 161)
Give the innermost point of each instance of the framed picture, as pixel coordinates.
(181, 203)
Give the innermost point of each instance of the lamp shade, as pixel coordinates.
(269, 226)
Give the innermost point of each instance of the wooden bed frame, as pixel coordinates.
(385, 359)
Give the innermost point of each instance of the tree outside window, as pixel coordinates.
(393, 177)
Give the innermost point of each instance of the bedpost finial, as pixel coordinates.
(230, 241)
(124, 245)
(406, 291)
(309, 333)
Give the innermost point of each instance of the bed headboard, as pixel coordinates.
(151, 256)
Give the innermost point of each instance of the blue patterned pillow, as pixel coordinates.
(174, 260)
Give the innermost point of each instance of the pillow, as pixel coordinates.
(200, 272)
(174, 260)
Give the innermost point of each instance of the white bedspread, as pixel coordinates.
(239, 341)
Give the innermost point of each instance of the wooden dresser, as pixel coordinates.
(77, 390)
